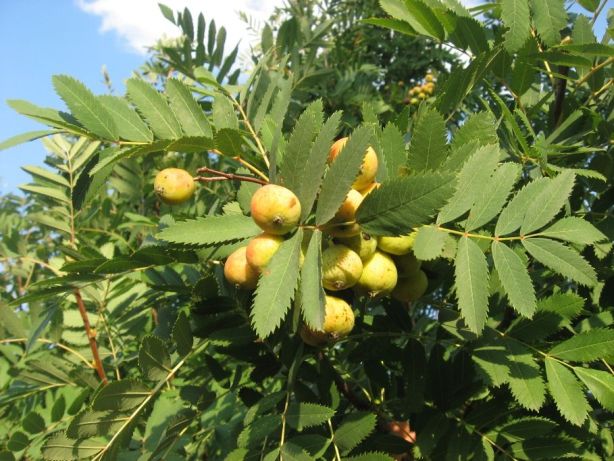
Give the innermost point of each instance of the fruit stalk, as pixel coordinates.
(221, 176)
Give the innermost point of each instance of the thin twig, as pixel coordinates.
(52, 343)
(332, 440)
(282, 437)
(221, 176)
(91, 337)
(251, 167)
(143, 404)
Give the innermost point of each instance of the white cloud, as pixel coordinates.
(140, 23)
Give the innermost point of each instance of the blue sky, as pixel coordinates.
(40, 38)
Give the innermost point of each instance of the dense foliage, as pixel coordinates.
(120, 337)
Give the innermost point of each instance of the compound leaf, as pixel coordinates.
(276, 286)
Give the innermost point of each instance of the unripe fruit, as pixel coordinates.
(341, 268)
(422, 95)
(370, 188)
(411, 288)
(368, 169)
(261, 249)
(363, 244)
(338, 322)
(238, 272)
(407, 264)
(379, 275)
(344, 223)
(429, 77)
(429, 88)
(275, 209)
(414, 101)
(174, 186)
(396, 245)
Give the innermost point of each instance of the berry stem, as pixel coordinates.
(221, 176)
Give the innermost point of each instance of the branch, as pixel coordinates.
(91, 337)
(152, 394)
(221, 176)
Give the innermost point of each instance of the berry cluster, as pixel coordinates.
(421, 91)
(352, 259)
(372, 266)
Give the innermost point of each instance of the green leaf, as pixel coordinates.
(174, 430)
(590, 5)
(46, 174)
(314, 169)
(6, 455)
(129, 125)
(404, 203)
(276, 286)
(427, 149)
(525, 380)
(574, 230)
(392, 24)
(419, 16)
(525, 428)
(462, 80)
(301, 415)
(492, 361)
(33, 423)
(229, 142)
(471, 278)
(553, 313)
(515, 279)
(393, 151)
(48, 116)
(513, 214)
(188, 112)
(341, 174)
(18, 441)
(25, 137)
(312, 293)
(546, 448)
(600, 383)
(566, 392)
(561, 259)
(121, 395)
(86, 107)
(516, 17)
(54, 194)
(167, 12)
(586, 347)
(210, 230)
(480, 127)
(224, 115)
(298, 150)
(471, 180)
(258, 430)
(182, 334)
(549, 17)
(90, 423)
(154, 359)
(154, 108)
(354, 428)
(544, 207)
(429, 243)
(370, 456)
(292, 452)
(493, 196)
(59, 447)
